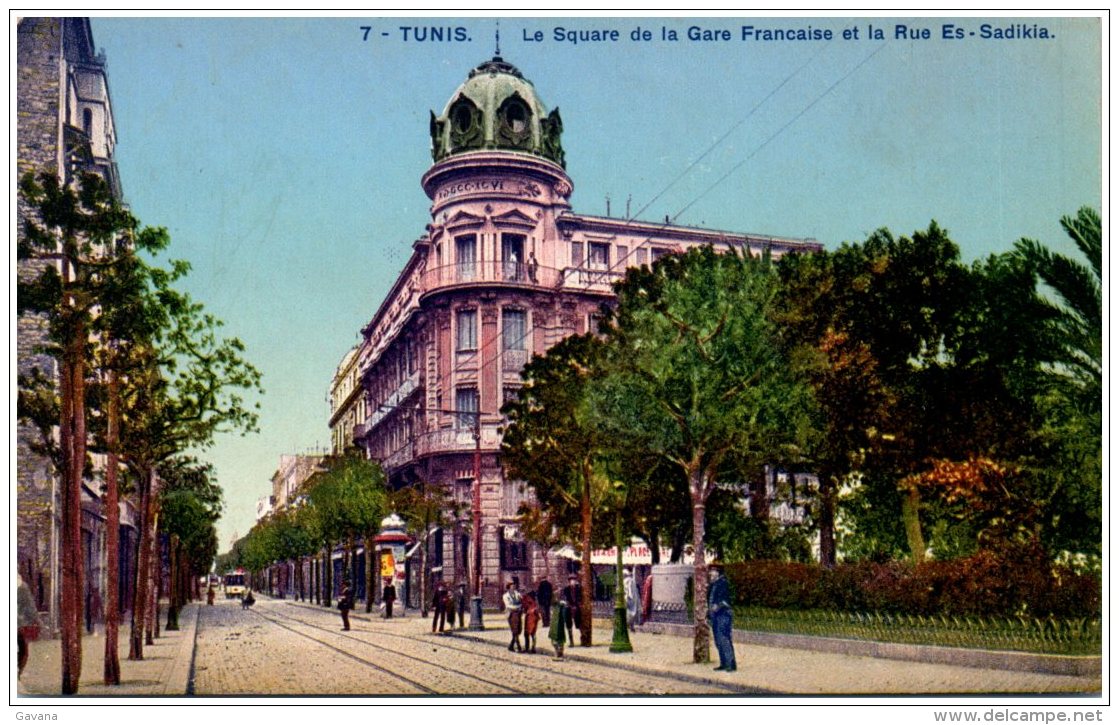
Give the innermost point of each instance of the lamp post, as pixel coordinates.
(476, 527)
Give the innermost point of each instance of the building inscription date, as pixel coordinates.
(778, 33)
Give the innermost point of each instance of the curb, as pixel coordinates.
(640, 669)
(185, 672)
(1089, 666)
(465, 634)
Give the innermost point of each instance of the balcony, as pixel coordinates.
(398, 458)
(489, 272)
(398, 396)
(457, 440)
(513, 361)
(584, 279)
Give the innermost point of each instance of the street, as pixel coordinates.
(279, 647)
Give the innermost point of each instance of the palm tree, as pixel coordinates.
(1078, 287)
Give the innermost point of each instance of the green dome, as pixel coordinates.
(496, 108)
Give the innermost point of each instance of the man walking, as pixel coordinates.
(544, 599)
(388, 596)
(512, 600)
(721, 616)
(439, 608)
(573, 595)
(460, 606)
(346, 603)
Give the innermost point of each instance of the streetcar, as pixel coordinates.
(234, 584)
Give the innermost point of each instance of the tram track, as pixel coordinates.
(373, 665)
(441, 668)
(596, 684)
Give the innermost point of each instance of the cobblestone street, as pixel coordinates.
(282, 648)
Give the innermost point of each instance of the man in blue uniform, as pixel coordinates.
(721, 615)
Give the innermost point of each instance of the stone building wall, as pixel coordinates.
(39, 75)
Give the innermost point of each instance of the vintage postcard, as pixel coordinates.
(749, 359)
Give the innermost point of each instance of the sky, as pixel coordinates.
(284, 155)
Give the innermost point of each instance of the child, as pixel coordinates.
(531, 619)
(558, 631)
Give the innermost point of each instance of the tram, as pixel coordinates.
(233, 583)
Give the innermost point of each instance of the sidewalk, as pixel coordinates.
(164, 671)
(779, 670)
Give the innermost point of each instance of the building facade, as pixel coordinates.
(64, 127)
(293, 471)
(505, 270)
(345, 403)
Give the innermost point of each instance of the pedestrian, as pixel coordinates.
(388, 596)
(630, 588)
(346, 603)
(460, 605)
(531, 620)
(439, 603)
(560, 615)
(647, 599)
(721, 615)
(573, 595)
(27, 625)
(544, 599)
(512, 601)
(210, 596)
(248, 600)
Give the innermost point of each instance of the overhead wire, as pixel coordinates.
(670, 220)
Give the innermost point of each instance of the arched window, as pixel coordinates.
(513, 122)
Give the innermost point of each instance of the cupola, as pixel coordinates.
(496, 108)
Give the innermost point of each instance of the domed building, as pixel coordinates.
(504, 270)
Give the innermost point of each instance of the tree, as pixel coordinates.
(1079, 309)
(347, 499)
(1073, 401)
(699, 376)
(914, 359)
(185, 391)
(73, 239)
(551, 443)
(191, 504)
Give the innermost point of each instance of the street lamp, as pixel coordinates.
(476, 523)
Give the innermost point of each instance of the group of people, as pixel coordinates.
(445, 604)
(560, 615)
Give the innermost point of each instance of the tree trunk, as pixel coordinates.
(173, 596)
(72, 435)
(586, 607)
(368, 573)
(155, 584)
(827, 520)
(911, 516)
(328, 576)
(143, 567)
(701, 647)
(112, 537)
(423, 573)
